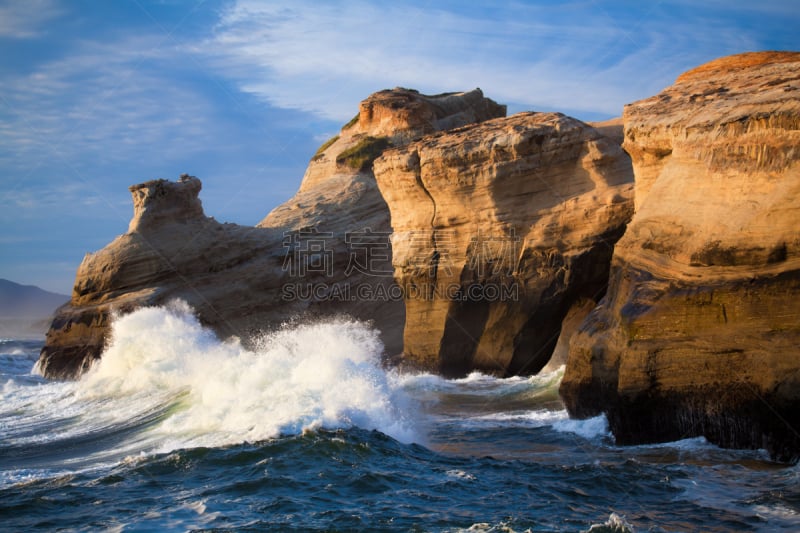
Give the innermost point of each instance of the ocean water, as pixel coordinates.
(175, 430)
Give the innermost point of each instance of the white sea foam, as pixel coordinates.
(479, 401)
(615, 524)
(776, 512)
(477, 383)
(589, 428)
(534, 418)
(484, 527)
(690, 444)
(165, 382)
(460, 474)
(299, 378)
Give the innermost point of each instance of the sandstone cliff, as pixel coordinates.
(499, 229)
(699, 333)
(307, 258)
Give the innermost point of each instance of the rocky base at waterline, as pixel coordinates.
(699, 333)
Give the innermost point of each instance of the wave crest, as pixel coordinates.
(325, 374)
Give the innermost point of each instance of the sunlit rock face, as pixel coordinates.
(699, 333)
(499, 228)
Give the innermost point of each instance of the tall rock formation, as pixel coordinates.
(324, 252)
(499, 229)
(171, 250)
(699, 333)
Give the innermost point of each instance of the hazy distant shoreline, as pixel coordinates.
(26, 328)
(26, 310)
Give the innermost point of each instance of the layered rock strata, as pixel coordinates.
(308, 258)
(498, 230)
(699, 333)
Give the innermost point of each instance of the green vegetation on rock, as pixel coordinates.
(351, 122)
(361, 155)
(321, 150)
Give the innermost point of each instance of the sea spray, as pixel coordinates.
(319, 375)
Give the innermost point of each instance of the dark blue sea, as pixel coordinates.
(175, 430)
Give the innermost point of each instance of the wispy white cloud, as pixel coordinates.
(50, 197)
(326, 58)
(99, 96)
(26, 19)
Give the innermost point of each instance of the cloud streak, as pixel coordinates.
(25, 20)
(99, 95)
(575, 56)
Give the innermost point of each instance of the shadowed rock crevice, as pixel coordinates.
(457, 351)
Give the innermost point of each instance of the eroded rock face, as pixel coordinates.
(499, 228)
(243, 280)
(340, 199)
(172, 250)
(393, 118)
(161, 201)
(405, 114)
(700, 331)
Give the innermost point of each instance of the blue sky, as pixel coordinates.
(98, 95)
